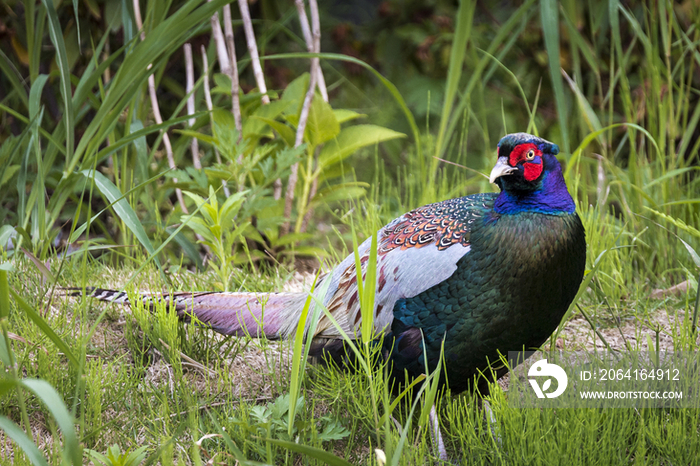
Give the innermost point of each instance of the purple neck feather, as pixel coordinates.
(552, 196)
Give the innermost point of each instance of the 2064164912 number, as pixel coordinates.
(638, 374)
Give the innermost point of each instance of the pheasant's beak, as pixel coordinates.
(502, 168)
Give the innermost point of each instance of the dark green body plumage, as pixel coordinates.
(509, 291)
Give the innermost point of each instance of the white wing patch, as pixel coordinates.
(401, 273)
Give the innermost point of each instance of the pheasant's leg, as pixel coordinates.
(436, 435)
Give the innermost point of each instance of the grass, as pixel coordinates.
(627, 110)
(141, 391)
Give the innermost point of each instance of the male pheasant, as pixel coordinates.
(488, 273)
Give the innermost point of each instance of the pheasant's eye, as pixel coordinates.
(530, 154)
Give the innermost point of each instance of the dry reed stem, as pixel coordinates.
(218, 36)
(210, 107)
(156, 108)
(253, 49)
(189, 79)
(257, 70)
(306, 31)
(233, 71)
(303, 117)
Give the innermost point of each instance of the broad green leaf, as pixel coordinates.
(198, 200)
(224, 130)
(322, 125)
(343, 115)
(285, 132)
(113, 15)
(292, 238)
(231, 206)
(351, 139)
(270, 111)
(387, 84)
(340, 192)
(294, 94)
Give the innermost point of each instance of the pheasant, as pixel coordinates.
(486, 273)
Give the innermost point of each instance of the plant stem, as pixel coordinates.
(210, 107)
(301, 127)
(189, 78)
(5, 313)
(156, 109)
(253, 49)
(233, 72)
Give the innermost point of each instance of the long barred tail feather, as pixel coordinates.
(272, 315)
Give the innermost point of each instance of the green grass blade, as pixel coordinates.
(56, 34)
(30, 449)
(81, 229)
(588, 113)
(463, 28)
(592, 136)
(45, 328)
(504, 32)
(35, 95)
(299, 355)
(367, 297)
(136, 135)
(11, 72)
(72, 451)
(55, 143)
(4, 290)
(134, 71)
(122, 208)
(549, 12)
(312, 452)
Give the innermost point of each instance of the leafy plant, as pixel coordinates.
(217, 229)
(115, 457)
(271, 422)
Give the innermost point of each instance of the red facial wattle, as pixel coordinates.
(531, 157)
(532, 170)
